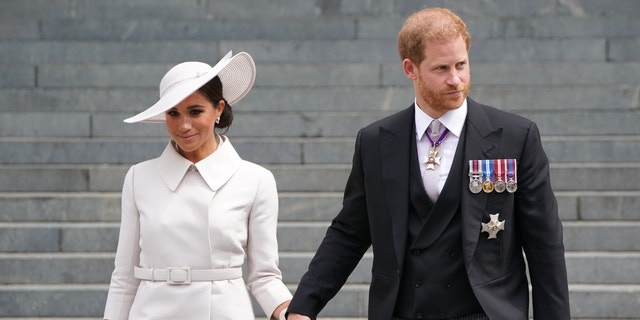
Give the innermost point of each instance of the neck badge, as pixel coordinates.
(434, 158)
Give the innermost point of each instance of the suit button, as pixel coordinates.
(415, 252)
(452, 253)
(418, 284)
(419, 316)
(447, 285)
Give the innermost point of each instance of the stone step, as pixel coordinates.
(596, 177)
(578, 236)
(265, 99)
(294, 206)
(376, 76)
(103, 237)
(247, 9)
(559, 149)
(512, 52)
(300, 124)
(584, 267)
(144, 28)
(587, 301)
(557, 125)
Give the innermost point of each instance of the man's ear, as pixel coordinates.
(410, 69)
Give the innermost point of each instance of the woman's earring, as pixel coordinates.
(217, 120)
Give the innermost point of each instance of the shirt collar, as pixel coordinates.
(216, 169)
(452, 120)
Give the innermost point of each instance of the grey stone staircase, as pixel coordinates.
(71, 70)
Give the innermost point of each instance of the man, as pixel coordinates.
(447, 216)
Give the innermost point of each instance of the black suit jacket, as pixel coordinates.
(375, 214)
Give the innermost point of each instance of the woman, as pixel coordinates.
(191, 216)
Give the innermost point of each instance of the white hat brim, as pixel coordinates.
(237, 74)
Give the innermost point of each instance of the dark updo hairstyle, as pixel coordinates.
(212, 90)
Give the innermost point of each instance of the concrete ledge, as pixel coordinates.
(581, 130)
(102, 207)
(44, 124)
(294, 206)
(17, 76)
(610, 302)
(625, 49)
(587, 302)
(59, 237)
(46, 301)
(326, 99)
(141, 29)
(538, 73)
(604, 268)
(620, 236)
(591, 177)
(578, 236)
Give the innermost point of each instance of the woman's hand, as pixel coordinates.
(295, 316)
(280, 311)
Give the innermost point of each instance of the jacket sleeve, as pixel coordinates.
(264, 278)
(541, 231)
(345, 242)
(124, 285)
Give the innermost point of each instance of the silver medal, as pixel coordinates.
(475, 182)
(493, 226)
(475, 186)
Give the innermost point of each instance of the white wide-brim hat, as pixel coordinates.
(237, 74)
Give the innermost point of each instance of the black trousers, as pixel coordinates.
(475, 316)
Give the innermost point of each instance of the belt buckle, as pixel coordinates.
(179, 275)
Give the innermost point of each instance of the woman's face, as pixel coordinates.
(191, 125)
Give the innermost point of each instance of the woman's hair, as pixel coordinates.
(430, 24)
(212, 90)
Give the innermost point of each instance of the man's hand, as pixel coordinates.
(295, 316)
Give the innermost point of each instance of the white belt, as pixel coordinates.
(184, 275)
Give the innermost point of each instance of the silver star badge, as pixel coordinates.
(493, 227)
(433, 159)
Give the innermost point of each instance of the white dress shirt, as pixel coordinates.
(452, 120)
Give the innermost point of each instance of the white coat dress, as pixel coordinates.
(210, 218)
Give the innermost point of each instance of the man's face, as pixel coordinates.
(442, 80)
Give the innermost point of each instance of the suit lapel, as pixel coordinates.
(482, 142)
(395, 143)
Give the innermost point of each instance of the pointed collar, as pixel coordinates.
(216, 169)
(452, 120)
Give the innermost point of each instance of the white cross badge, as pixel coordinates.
(493, 227)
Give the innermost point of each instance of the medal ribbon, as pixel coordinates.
(488, 164)
(498, 166)
(512, 172)
(439, 140)
(505, 166)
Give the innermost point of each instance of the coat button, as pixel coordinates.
(418, 284)
(415, 252)
(420, 316)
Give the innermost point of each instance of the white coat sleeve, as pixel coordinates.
(124, 285)
(264, 278)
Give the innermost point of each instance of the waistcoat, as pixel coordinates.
(434, 283)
